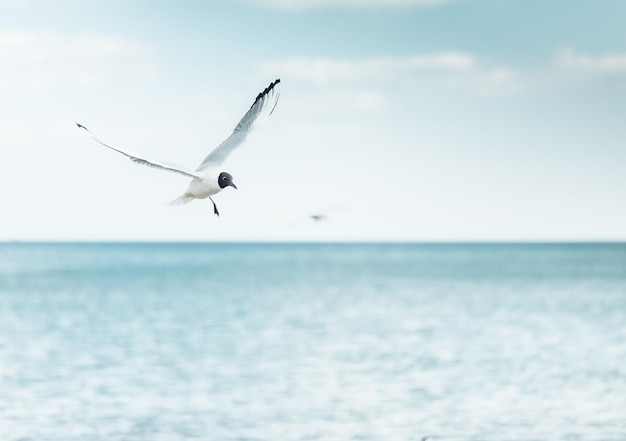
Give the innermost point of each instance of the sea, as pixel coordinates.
(308, 342)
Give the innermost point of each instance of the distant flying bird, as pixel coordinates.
(316, 218)
(209, 178)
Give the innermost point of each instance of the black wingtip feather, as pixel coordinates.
(80, 126)
(266, 91)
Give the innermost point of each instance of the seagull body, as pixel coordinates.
(201, 188)
(210, 178)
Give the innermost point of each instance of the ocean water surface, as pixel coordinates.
(307, 342)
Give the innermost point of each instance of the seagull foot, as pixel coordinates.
(215, 210)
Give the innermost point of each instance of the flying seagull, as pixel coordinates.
(210, 178)
(316, 217)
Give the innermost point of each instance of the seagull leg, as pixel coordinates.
(214, 206)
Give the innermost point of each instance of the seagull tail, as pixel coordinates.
(181, 200)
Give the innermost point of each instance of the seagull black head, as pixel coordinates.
(226, 180)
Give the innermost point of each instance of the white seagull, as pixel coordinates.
(209, 178)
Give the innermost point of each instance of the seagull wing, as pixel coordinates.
(143, 160)
(260, 110)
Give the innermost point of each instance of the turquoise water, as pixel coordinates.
(312, 342)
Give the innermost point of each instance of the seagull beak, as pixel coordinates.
(232, 184)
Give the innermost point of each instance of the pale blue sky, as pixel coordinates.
(422, 120)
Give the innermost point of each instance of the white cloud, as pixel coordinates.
(36, 59)
(606, 64)
(326, 70)
(349, 4)
(369, 101)
(457, 71)
(445, 71)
